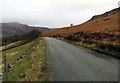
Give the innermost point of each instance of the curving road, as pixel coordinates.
(74, 63)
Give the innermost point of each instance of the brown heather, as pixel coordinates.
(101, 28)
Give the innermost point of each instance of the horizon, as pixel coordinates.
(54, 14)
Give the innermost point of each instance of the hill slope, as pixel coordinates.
(10, 29)
(101, 28)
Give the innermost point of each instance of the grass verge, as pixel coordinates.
(33, 67)
(99, 47)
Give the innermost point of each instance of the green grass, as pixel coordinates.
(3, 47)
(33, 67)
(14, 53)
(1, 35)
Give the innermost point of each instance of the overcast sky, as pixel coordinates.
(53, 13)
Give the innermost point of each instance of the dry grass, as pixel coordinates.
(106, 27)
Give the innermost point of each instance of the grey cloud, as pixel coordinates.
(53, 13)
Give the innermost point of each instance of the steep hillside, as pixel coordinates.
(10, 29)
(100, 28)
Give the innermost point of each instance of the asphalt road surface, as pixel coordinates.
(74, 63)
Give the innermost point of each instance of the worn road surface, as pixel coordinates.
(74, 63)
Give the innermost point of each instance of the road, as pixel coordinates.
(74, 63)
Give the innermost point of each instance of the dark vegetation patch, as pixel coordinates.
(95, 22)
(106, 19)
(25, 38)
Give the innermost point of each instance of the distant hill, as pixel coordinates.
(102, 27)
(10, 29)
